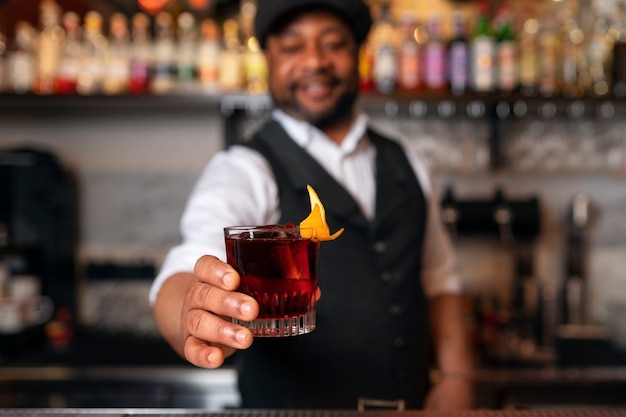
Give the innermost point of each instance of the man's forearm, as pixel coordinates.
(168, 307)
(453, 353)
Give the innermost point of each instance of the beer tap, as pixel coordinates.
(503, 216)
(450, 214)
(574, 287)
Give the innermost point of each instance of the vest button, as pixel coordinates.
(395, 309)
(380, 247)
(386, 276)
(398, 342)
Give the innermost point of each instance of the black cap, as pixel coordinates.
(355, 13)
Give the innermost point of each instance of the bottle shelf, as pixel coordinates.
(526, 134)
(226, 103)
(59, 104)
(255, 103)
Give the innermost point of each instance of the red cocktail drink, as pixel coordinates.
(279, 269)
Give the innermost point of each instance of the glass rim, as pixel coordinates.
(264, 228)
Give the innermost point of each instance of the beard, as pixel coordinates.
(339, 111)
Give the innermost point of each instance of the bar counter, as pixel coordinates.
(599, 387)
(308, 413)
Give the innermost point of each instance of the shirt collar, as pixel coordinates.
(304, 133)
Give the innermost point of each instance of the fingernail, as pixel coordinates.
(227, 279)
(242, 336)
(212, 358)
(246, 307)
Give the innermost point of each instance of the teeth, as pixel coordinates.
(317, 86)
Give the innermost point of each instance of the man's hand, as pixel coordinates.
(454, 389)
(194, 313)
(451, 394)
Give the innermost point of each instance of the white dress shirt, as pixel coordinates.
(237, 187)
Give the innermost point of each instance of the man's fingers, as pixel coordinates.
(204, 325)
(211, 301)
(223, 303)
(211, 270)
(202, 354)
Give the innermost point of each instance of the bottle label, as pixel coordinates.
(385, 70)
(528, 66)
(208, 61)
(548, 64)
(458, 66)
(507, 65)
(409, 75)
(256, 73)
(22, 72)
(230, 71)
(435, 66)
(483, 49)
(139, 71)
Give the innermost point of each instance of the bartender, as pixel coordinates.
(390, 308)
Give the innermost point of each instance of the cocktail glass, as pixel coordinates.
(279, 269)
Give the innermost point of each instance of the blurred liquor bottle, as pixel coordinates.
(186, 51)
(483, 49)
(208, 56)
(409, 57)
(599, 52)
(116, 77)
(366, 66)
(385, 70)
(21, 60)
(549, 56)
(50, 42)
(529, 56)
(3, 61)
(458, 55)
(507, 50)
(616, 19)
(164, 79)
(434, 58)
(141, 51)
(3, 65)
(230, 70)
(571, 78)
(71, 54)
(254, 65)
(94, 49)
(618, 61)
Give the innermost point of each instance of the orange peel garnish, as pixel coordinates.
(314, 227)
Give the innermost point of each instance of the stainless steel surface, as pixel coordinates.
(170, 374)
(552, 388)
(214, 390)
(552, 375)
(117, 387)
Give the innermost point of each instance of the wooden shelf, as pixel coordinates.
(227, 103)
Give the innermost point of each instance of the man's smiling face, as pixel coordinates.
(313, 68)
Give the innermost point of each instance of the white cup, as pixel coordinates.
(38, 310)
(24, 286)
(11, 317)
(17, 314)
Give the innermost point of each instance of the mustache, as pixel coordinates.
(334, 80)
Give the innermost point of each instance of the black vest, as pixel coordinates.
(371, 338)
